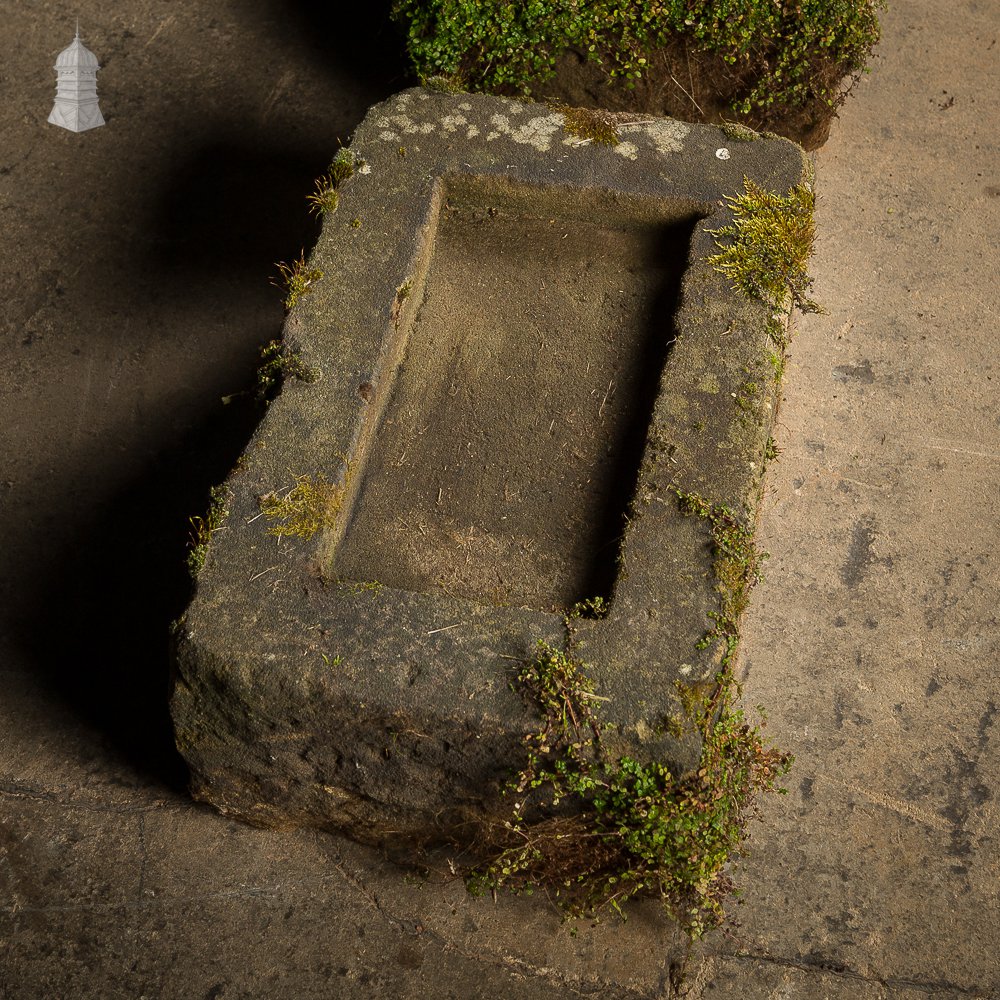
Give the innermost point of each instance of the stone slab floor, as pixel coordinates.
(134, 296)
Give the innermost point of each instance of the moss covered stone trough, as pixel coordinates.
(519, 351)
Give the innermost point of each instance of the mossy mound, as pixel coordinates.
(783, 66)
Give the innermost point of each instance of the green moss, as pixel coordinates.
(324, 200)
(278, 361)
(746, 398)
(737, 565)
(791, 53)
(342, 166)
(203, 527)
(443, 83)
(296, 279)
(766, 249)
(311, 504)
(326, 196)
(589, 125)
(738, 132)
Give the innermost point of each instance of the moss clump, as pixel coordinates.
(738, 132)
(203, 527)
(312, 503)
(589, 125)
(342, 167)
(444, 84)
(296, 279)
(737, 566)
(326, 196)
(324, 200)
(278, 361)
(788, 53)
(594, 831)
(765, 251)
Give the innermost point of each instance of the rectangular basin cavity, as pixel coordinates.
(509, 446)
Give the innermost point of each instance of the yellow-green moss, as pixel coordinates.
(311, 504)
(765, 251)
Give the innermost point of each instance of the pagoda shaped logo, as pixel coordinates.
(76, 88)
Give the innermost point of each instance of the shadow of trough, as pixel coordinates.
(214, 227)
(655, 342)
(119, 584)
(208, 235)
(235, 205)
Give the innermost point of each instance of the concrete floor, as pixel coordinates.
(134, 291)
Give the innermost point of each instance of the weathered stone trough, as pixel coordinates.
(518, 347)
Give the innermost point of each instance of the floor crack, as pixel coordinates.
(20, 790)
(837, 968)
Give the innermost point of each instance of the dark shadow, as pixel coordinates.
(227, 212)
(355, 39)
(96, 612)
(98, 628)
(654, 347)
(234, 206)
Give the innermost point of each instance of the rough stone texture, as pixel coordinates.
(316, 689)
(113, 884)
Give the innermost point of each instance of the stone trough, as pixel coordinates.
(516, 350)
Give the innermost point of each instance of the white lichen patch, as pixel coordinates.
(405, 123)
(365, 168)
(538, 131)
(451, 123)
(541, 132)
(666, 134)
